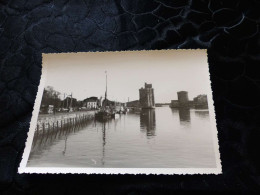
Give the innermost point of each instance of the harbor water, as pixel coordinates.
(152, 138)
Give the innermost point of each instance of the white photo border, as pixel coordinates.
(91, 170)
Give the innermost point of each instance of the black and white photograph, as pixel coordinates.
(137, 112)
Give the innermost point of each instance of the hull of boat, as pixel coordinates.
(103, 116)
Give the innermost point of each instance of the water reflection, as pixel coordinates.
(152, 138)
(65, 147)
(103, 142)
(184, 114)
(44, 142)
(204, 114)
(148, 122)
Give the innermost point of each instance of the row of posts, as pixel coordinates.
(60, 125)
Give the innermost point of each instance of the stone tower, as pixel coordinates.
(146, 96)
(183, 98)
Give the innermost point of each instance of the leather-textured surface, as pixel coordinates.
(228, 29)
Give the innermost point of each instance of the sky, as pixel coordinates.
(169, 71)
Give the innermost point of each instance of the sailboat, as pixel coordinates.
(105, 112)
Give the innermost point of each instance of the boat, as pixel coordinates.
(105, 113)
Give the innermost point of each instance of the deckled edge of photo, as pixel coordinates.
(92, 170)
(36, 108)
(213, 121)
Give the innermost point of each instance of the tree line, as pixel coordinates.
(53, 97)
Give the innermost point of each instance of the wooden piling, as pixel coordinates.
(46, 130)
(43, 128)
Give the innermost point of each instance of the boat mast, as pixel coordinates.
(106, 84)
(106, 90)
(71, 101)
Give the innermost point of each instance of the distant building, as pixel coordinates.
(107, 102)
(182, 102)
(146, 96)
(135, 103)
(47, 109)
(183, 97)
(199, 102)
(91, 102)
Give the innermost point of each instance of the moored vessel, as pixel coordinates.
(105, 113)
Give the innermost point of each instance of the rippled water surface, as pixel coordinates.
(162, 138)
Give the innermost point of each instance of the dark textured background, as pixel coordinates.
(228, 29)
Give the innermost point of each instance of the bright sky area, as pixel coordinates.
(168, 71)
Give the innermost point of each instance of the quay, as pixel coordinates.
(51, 122)
(51, 127)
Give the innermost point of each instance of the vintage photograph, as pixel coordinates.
(124, 112)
